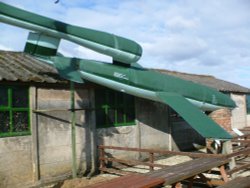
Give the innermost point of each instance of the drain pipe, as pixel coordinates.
(93, 137)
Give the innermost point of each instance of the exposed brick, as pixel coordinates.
(223, 118)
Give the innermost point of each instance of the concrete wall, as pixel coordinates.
(15, 162)
(153, 126)
(184, 136)
(239, 119)
(46, 155)
(248, 120)
(54, 132)
(150, 131)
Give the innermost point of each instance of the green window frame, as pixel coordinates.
(14, 111)
(114, 109)
(248, 103)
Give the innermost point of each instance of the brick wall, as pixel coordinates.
(223, 118)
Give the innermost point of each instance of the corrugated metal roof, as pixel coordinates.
(209, 81)
(18, 66)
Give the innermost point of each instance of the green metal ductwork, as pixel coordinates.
(119, 48)
(181, 95)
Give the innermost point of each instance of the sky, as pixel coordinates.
(210, 37)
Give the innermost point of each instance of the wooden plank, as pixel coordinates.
(238, 168)
(186, 170)
(132, 162)
(190, 154)
(115, 171)
(240, 182)
(129, 181)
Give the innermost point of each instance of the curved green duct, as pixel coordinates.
(119, 48)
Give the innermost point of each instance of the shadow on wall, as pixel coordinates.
(158, 121)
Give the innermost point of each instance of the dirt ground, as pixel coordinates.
(82, 182)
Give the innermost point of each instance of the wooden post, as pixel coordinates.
(73, 128)
(102, 162)
(223, 173)
(151, 160)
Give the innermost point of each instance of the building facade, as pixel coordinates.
(36, 117)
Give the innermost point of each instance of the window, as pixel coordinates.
(14, 111)
(114, 108)
(248, 104)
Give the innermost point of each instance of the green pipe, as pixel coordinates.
(73, 128)
(119, 48)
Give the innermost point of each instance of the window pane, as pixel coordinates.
(119, 99)
(111, 117)
(20, 97)
(111, 98)
(100, 98)
(129, 100)
(120, 116)
(4, 122)
(130, 115)
(3, 97)
(20, 121)
(248, 104)
(100, 118)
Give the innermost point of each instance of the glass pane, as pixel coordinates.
(119, 99)
(99, 98)
(4, 122)
(120, 116)
(129, 100)
(248, 104)
(111, 117)
(100, 118)
(20, 121)
(20, 97)
(111, 98)
(3, 97)
(130, 115)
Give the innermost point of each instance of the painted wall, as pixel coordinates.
(239, 119)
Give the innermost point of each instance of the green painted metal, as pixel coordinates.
(196, 118)
(180, 94)
(73, 128)
(41, 45)
(68, 68)
(121, 49)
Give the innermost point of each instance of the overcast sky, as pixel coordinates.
(194, 36)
